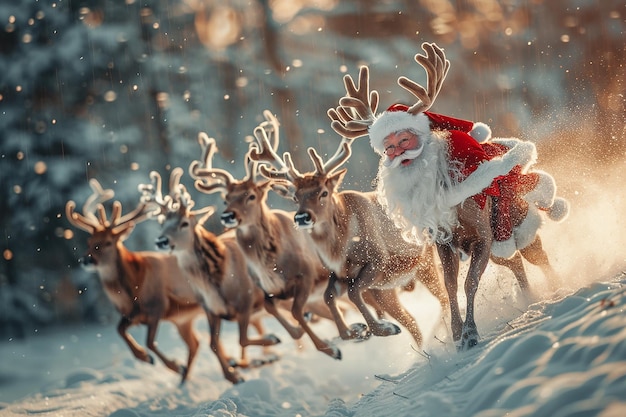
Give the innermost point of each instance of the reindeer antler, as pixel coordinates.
(265, 151)
(357, 109)
(208, 179)
(88, 221)
(152, 195)
(436, 66)
(177, 199)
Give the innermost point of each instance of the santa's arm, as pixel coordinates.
(519, 153)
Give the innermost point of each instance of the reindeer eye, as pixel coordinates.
(324, 194)
(184, 224)
(251, 197)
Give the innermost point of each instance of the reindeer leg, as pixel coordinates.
(333, 291)
(294, 332)
(450, 261)
(536, 255)
(370, 299)
(361, 283)
(478, 264)
(216, 346)
(391, 304)
(190, 337)
(428, 274)
(516, 265)
(245, 340)
(297, 310)
(153, 326)
(139, 352)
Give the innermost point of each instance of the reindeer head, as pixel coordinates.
(245, 199)
(107, 234)
(314, 191)
(174, 211)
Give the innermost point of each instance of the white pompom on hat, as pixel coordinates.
(396, 118)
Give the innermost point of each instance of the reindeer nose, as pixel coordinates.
(162, 242)
(303, 219)
(86, 261)
(228, 219)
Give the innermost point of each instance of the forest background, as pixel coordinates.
(114, 89)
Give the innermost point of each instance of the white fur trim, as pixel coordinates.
(503, 249)
(481, 132)
(520, 153)
(559, 210)
(393, 121)
(525, 233)
(544, 192)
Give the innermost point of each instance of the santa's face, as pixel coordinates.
(412, 188)
(401, 148)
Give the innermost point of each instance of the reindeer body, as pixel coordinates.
(144, 287)
(217, 272)
(365, 250)
(358, 232)
(283, 260)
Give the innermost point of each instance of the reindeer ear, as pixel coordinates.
(335, 180)
(283, 188)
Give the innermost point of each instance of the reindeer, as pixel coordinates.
(355, 239)
(473, 235)
(214, 265)
(282, 259)
(144, 287)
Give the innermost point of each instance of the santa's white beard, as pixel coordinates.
(415, 195)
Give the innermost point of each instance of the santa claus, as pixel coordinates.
(431, 163)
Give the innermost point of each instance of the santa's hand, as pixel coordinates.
(520, 153)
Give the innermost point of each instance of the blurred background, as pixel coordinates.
(112, 89)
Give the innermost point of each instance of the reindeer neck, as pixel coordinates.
(259, 241)
(208, 257)
(132, 269)
(122, 279)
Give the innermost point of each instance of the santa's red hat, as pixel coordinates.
(396, 118)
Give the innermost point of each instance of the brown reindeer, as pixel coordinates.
(355, 239)
(282, 259)
(472, 233)
(145, 287)
(214, 266)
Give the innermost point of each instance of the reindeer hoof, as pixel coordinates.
(333, 352)
(359, 331)
(386, 328)
(273, 339)
(469, 339)
(150, 359)
(256, 363)
(237, 379)
(183, 370)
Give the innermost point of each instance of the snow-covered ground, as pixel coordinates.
(564, 355)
